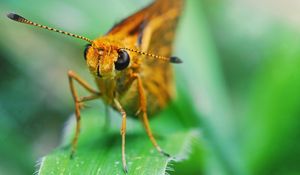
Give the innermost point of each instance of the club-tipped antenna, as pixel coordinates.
(171, 59)
(21, 19)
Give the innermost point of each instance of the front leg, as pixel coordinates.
(143, 111)
(123, 132)
(79, 103)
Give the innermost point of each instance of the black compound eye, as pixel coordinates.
(123, 60)
(85, 50)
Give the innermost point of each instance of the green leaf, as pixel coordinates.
(99, 150)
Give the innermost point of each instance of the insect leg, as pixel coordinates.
(123, 132)
(143, 108)
(79, 103)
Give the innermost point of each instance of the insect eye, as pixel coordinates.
(85, 50)
(123, 60)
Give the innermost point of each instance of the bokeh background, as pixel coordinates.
(241, 69)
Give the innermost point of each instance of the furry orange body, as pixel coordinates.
(151, 29)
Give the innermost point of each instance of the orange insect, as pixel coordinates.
(130, 65)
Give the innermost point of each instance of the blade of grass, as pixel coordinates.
(272, 121)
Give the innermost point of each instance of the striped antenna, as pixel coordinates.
(21, 19)
(168, 59)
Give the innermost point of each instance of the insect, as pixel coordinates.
(130, 65)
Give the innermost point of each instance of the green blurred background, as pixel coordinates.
(241, 69)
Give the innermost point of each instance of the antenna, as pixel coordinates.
(171, 59)
(21, 19)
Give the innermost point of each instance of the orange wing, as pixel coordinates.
(153, 29)
(154, 25)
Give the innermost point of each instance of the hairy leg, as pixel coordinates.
(143, 110)
(123, 132)
(79, 103)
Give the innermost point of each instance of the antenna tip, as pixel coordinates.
(15, 17)
(175, 60)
